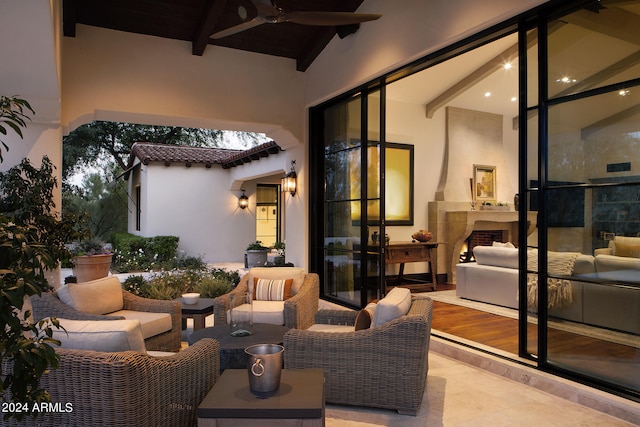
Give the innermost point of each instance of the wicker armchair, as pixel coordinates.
(49, 305)
(129, 388)
(299, 310)
(384, 367)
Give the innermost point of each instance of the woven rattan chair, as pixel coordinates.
(126, 389)
(299, 310)
(49, 305)
(384, 367)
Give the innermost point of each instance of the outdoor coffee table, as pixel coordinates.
(197, 311)
(232, 355)
(298, 402)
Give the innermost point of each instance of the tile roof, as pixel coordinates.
(149, 152)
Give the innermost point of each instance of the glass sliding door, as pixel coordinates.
(589, 252)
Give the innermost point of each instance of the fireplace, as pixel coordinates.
(480, 238)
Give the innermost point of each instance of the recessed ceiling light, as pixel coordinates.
(566, 79)
(514, 98)
(623, 92)
(487, 94)
(507, 66)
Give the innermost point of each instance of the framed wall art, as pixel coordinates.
(484, 183)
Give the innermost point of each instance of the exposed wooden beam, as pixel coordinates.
(70, 17)
(318, 44)
(608, 121)
(613, 21)
(592, 81)
(478, 75)
(207, 24)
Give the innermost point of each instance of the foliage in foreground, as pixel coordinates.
(167, 285)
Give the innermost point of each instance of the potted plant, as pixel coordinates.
(279, 247)
(256, 254)
(92, 260)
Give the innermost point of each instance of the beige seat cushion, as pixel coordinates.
(271, 312)
(152, 323)
(100, 335)
(395, 304)
(100, 296)
(320, 327)
(295, 273)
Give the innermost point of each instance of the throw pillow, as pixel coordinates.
(395, 304)
(365, 317)
(503, 245)
(272, 289)
(632, 251)
(100, 296)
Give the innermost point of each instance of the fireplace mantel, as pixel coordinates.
(460, 224)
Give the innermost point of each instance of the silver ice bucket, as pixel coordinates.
(264, 363)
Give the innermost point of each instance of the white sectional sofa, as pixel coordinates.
(596, 295)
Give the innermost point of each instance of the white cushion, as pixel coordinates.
(321, 327)
(271, 312)
(295, 273)
(395, 304)
(152, 323)
(496, 255)
(100, 335)
(100, 296)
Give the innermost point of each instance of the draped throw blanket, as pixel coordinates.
(558, 290)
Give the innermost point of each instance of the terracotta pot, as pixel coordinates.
(91, 267)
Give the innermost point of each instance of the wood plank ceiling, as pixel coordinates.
(195, 20)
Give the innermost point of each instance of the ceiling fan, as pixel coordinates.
(269, 13)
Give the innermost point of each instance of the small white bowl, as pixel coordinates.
(190, 298)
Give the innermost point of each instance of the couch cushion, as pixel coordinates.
(322, 327)
(503, 244)
(100, 296)
(272, 289)
(100, 335)
(606, 263)
(295, 273)
(271, 312)
(153, 323)
(497, 256)
(395, 304)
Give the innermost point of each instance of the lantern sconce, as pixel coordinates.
(243, 201)
(289, 181)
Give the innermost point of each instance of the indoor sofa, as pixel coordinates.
(593, 296)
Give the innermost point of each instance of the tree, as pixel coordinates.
(104, 204)
(13, 114)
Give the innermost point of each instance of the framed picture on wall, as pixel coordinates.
(484, 183)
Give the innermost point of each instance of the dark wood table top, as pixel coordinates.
(263, 333)
(301, 395)
(203, 306)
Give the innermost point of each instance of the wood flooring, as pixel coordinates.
(606, 360)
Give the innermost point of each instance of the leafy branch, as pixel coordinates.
(13, 115)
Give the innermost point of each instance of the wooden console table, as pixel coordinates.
(403, 252)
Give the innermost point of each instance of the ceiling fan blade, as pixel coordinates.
(328, 18)
(238, 28)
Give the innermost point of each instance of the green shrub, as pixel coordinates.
(169, 285)
(136, 253)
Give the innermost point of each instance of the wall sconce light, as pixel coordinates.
(243, 201)
(289, 183)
